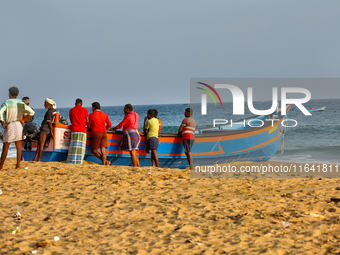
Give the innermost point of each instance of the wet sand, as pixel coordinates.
(96, 209)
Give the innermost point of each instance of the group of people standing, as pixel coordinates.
(99, 123)
(18, 112)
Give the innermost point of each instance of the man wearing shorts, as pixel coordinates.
(187, 129)
(99, 123)
(14, 109)
(151, 128)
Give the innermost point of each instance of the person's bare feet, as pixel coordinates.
(107, 163)
(134, 169)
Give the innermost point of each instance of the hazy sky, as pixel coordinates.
(145, 52)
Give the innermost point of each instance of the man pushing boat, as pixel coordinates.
(99, 123)
(79, 117)
(130, 139)
(187, 130)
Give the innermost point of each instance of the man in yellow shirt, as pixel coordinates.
(151, 128)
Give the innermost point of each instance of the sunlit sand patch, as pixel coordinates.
(110, 209)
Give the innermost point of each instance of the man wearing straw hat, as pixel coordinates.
(14, 109)
(46, 129)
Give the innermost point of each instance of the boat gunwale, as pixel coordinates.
(206, 133)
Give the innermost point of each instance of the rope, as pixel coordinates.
(283, 130)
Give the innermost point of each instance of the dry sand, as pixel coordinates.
(97, 209)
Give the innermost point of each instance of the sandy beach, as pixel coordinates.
(96, 209)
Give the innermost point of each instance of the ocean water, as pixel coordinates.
(316, 138)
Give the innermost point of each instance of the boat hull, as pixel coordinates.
(210, 147)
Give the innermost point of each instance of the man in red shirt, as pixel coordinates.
(130, 139)
(79, 117)
(99, 123)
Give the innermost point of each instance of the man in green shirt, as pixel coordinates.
(14, 109)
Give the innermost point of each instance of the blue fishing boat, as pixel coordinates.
(211, 146)
(312, 109)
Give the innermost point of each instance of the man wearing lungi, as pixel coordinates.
(14, 109)
(79, 117)
(99, 123)
(130, 139)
